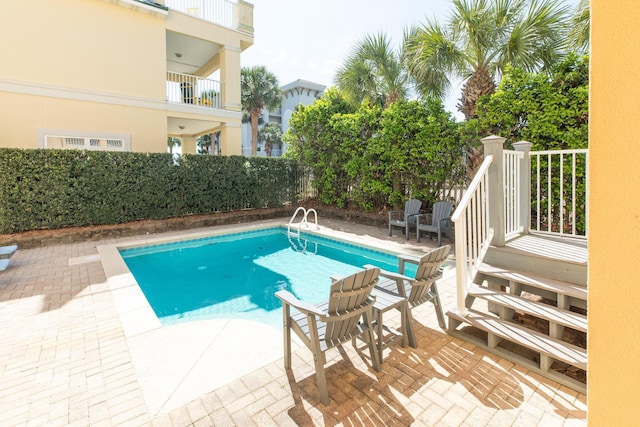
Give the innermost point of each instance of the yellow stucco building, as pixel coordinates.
(614, 227)
(122, 74)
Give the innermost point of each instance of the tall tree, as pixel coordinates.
(479, 40)
(270, 134)
(173, 141)
(373, 72)
(260, 89)
(580, 27)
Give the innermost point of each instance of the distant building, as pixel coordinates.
(299, 92)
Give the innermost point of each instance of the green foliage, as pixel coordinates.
(550, 110)
(50, 189)
(419, 150)
(372, 158)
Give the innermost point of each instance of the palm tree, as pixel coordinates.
(270, 134)
(260, 90)
(173, 141)
(579, 33)
(479, 40)
(373, 72)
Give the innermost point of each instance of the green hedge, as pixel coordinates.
(49, 189)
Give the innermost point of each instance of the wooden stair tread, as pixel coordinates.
(533, 340)
(544, 311)
(536, 280)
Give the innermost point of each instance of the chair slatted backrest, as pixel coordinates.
(347, 295)
(412, 207)
(428, 271)
(441, 210)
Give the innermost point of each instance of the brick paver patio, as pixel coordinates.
(65, 360)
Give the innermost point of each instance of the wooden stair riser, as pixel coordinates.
(566, 271)
(557, 317)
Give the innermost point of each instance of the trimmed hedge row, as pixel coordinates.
(50, 189)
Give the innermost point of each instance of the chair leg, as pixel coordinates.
(417, 234)
(438, 305)
(439, 237)
(286, 330)
(320, 377)
(371, 341)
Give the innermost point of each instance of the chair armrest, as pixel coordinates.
(395, 276)
(396, 214)
(389, 274)
(426, 216)
(288, 298)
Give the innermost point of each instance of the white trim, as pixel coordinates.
(26, 88)
(141, 7)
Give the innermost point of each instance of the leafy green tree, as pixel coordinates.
(260, 89)
(312, 140)
(479, 40)
(371, 157)
(417, 151)
(550, 110)
(271, 135)
(373, 73)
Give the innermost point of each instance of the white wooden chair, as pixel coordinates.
(422, 287)
(436, 222)
(346, 315)
(406, 217)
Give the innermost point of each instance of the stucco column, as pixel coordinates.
(493, 146)
(231, 140)
(525, 185)
(230, 77)
(188, 144)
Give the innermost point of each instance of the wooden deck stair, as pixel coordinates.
(492, 302)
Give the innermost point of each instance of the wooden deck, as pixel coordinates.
(545, 246)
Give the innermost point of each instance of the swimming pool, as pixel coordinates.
(236, 275)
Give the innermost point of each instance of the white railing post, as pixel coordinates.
(493, 147)
(525, 185)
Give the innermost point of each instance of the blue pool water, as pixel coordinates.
(236, 275)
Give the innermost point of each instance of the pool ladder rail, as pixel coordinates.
(303, 222)
(301, 246)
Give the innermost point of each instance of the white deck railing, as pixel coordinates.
(560, 192)
(472, 232)
(511, 177)
(188, 89)
(225, 13)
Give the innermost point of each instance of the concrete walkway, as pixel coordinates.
(74, 351)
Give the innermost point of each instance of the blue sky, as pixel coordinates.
(309, 40)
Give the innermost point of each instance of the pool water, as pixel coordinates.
(236, 275)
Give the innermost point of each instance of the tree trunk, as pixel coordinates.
(254, 132)
(479, 84)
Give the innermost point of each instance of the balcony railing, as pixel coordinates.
(234, 15)
(512, 176)
(188, 89)
(559, 192)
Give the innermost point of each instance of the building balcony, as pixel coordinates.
(234, 15)
(192, 90)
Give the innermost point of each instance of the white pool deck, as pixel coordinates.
(81, 346)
